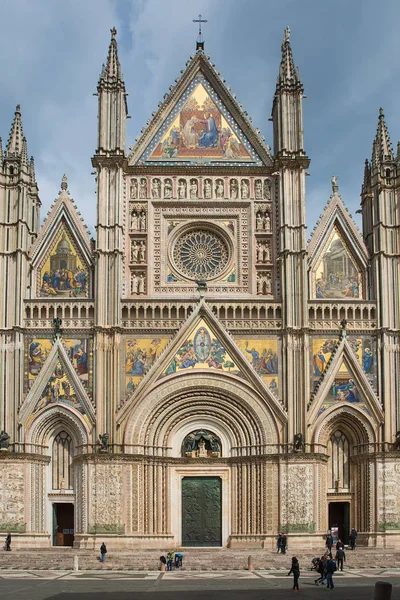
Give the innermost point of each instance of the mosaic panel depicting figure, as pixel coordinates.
(59, 390)
(141, 354)
(63, 272)
(264, 358)
(336, 274)
(364, 347)
(202, 350)
(200, 129)
(344, 389)
(78, 350)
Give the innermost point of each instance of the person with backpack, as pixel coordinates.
(295, 569)
(322, 571)
(330, 570)
(103, 552)
(340, 557)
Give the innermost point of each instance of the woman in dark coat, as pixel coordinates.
(295, 569)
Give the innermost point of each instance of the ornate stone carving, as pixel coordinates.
(201, 253)
(264, 283)
(181, 189)
(219, 188)
(234, 189)
(245, 189)
(138, 283)
(156, 188)
(143, 188)
(194, 189)
(12, 477)
(168, 189)
(133, 189)
(207, 189)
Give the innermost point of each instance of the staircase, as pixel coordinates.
(193, 559)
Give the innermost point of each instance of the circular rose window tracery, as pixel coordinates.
(201, 254)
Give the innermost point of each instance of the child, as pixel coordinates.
(295, 569)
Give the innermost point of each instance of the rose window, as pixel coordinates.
(201, 254)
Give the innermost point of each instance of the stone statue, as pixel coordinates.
(234, 189)
(267, 222)
(167, 189)
(142, 221)
(258, 189)
(207, 190)
(335, 186)
(134, 252)
(260, 252)
(266, 253)
(219, 188)
(133, 190)
(134, 220)
(134, 284)
(298, 442)
(268, 284)
(193, 189)
(103, 442)
(155, 188)
(182, 189)
(4, 440)
(143, 188)
(267, 189)
(141, 283)
(141, 253)
(57, 327)
(259, 222)
(244, 189)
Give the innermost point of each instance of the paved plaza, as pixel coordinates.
(355, 584)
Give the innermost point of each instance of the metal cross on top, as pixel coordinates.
(200, 41)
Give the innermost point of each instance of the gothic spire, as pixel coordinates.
(15, 140)
(32, 168)
(288, 73)
(24, 152)
(382, 148)
(111, 71)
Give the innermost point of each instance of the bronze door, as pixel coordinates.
(201, 511)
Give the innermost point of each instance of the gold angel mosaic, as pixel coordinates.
(63, 272)
(336, 274)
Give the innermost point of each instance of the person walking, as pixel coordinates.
(339, 544)
(322, 571)
(170, 558)
(284, 543)
(340, 557)
(8, 542)
(295, 569)
(353, 537)
(329, 542)
(279, 543)
(103, 552)
(330, 569)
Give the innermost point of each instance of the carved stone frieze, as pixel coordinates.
(12, 492)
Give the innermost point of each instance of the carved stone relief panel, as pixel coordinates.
(297, 508)
(106, 494)
(388, 503)
(12, 487)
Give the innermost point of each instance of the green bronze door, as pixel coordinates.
(201, 511)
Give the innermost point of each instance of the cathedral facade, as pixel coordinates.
(201, 374)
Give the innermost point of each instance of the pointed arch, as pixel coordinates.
(355, 423)
(47, 424)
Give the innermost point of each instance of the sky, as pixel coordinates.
(347, 52)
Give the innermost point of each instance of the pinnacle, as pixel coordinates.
(64, 193)
(382, 148)
(111, 72)
(1, 151)
(15, 140)
(24, 152)
(288, 73)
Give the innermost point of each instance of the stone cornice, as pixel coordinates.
(198, 170)
(24, 457)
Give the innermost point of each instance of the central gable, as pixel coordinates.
(200, 122)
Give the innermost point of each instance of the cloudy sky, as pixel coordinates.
(347, 52)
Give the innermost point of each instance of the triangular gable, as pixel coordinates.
(200, 123)
(58, 384)
(202, 344)
(338, 257)
(344, 381)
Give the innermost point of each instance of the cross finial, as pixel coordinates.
(200, 41)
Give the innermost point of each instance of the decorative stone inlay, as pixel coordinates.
(200, 254)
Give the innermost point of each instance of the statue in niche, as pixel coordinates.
(259, 222)
(207, 189)
(258, 192)
(182, 189)
(219, 188)
(168, 189)
(244, 189)
(156, 188)
(260, 252)
(142, 221)
(234, 188)
(134, 252)
(267, 221)
(267, 189)
(193, 189)
(4, 440)
(143, 188)
(264, 284)
(141, 283)
(266, 253)
(133, 189)
(201, 443)
(134, 220)
(134, 284)
(141, 253)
